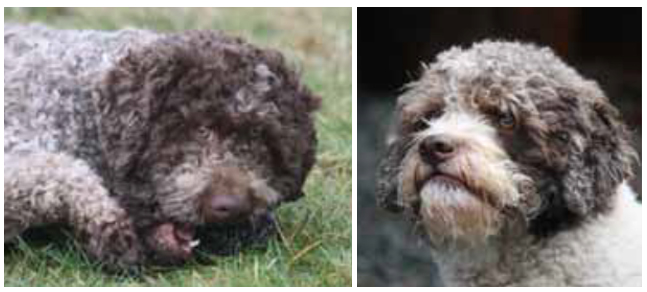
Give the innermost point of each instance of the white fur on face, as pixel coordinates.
(468, 209)
(451, 214)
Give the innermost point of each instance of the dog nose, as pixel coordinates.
(437, 148)
(224, 208)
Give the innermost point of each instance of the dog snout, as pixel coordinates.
(225, 208)
(437, 148)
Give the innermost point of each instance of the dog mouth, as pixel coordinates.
(447, 180)
(185, 238)
(173, 242)
(436, 183)
(426, 176)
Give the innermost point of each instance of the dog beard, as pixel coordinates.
(451, 214)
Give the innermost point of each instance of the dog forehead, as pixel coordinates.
(474, 91)
(464, 73)
(494, 79)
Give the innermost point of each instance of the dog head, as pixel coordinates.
(200, 129)
(500, 136)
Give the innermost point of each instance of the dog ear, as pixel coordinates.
(129, 97)
(610, 150)
(157, 92)
(607, 161)
(408, 109)
(387, 192)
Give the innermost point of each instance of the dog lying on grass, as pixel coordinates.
(144, 143)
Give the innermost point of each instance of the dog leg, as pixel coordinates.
(45, 188)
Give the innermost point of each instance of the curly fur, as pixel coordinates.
(149, 129)
(540, 162)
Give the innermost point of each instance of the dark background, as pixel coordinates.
(601, 43)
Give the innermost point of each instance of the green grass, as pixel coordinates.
(316, 245)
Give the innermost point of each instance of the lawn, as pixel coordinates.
(315, 249)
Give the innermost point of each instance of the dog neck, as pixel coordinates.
(604, 251)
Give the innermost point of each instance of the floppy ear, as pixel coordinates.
(387, 193)
(607, 161)
(129, 97)
(388, 176)
(610, 150)
(387, 181)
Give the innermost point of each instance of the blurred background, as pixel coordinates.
(601, 43)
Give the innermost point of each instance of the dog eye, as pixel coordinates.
(506, 121)
(204, 132)
(433, 114)
(562, 136)
(423, 123)
(420, 125)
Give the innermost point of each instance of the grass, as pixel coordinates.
(315, 249)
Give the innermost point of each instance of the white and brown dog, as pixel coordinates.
(515, 166)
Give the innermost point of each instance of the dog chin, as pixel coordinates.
(452, 214)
